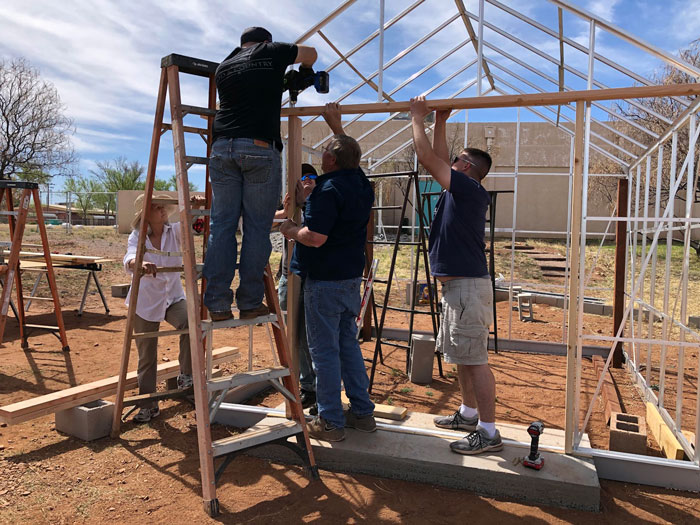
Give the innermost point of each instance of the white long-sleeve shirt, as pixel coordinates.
(157, 293)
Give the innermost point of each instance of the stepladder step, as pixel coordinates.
(269, 429)
(233, 323)
(247, 378)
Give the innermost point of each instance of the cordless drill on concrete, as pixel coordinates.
(534, 460)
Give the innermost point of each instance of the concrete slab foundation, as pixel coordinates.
(565, 481)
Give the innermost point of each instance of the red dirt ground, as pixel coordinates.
(152, 472)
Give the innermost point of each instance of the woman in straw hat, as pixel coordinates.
(161, 296)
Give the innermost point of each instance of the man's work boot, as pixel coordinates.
(255, 312)
(223, 315)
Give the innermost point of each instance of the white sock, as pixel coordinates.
(467, 412)
(489, 428)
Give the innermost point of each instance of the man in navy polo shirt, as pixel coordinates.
(457, 259)
(330, 250)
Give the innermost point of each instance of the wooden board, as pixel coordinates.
(58, 257)
(610, 397)
(663, 435)
(510, 101)
(383, 411)
(81, 394)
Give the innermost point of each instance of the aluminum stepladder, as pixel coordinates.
(208, 393)
(10, 272)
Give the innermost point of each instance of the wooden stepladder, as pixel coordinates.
(209, 393)
(10, 272)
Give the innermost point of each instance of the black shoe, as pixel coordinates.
(308, 398)
(224, 315)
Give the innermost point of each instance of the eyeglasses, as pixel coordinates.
(309, 176)
(463, 160)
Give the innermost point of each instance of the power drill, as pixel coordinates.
(297, 81)
(534, 460)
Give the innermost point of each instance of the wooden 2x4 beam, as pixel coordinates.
(511, 101)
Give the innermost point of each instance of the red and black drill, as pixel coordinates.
(534, 460)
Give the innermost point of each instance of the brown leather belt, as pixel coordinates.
(262, 143)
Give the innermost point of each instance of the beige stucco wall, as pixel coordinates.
(542, 204)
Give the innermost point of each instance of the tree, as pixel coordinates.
(162, 185)
(116, 175)
(34, 132)
(85, 192)
(172, 181)
(647, 113)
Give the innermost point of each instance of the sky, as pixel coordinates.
(103, 56)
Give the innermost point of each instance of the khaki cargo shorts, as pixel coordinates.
(467, 314)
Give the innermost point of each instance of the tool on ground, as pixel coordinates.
(297, 81)
(210, 393)
(11, 271)
(534, 460)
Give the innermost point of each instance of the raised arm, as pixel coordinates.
(332, 117)
(306, 56)
(440, 135)
(438, 168)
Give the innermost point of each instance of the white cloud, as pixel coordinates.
(104, 56)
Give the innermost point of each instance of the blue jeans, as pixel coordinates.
(246, 182)
(307, 377)
(331, 308)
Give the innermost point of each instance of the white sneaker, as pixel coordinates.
(184, 381)
(146, 414)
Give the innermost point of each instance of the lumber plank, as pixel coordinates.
(663, 435)
(78, 395)
(383, 411)
(610, 398)
(510, 101)
(59, 257)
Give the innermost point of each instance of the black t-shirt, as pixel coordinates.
(339, 207)
(249, 82)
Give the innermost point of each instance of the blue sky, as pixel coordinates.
(104, 56)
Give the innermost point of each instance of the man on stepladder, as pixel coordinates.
(458, 261)
(245, 169)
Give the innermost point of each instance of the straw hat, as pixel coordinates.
(138, 207)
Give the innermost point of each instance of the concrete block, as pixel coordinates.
(120, 290)
(628, 433)
(87, 422)
(422, 356)
(694, 321)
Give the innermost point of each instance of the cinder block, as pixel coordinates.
(120, 290)
(87, 422)
(694, 321)
(422, 355)
(628, 433)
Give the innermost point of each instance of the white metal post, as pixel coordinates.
(514, 221)
(480, 52)
(667, 273)
(380, 79)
